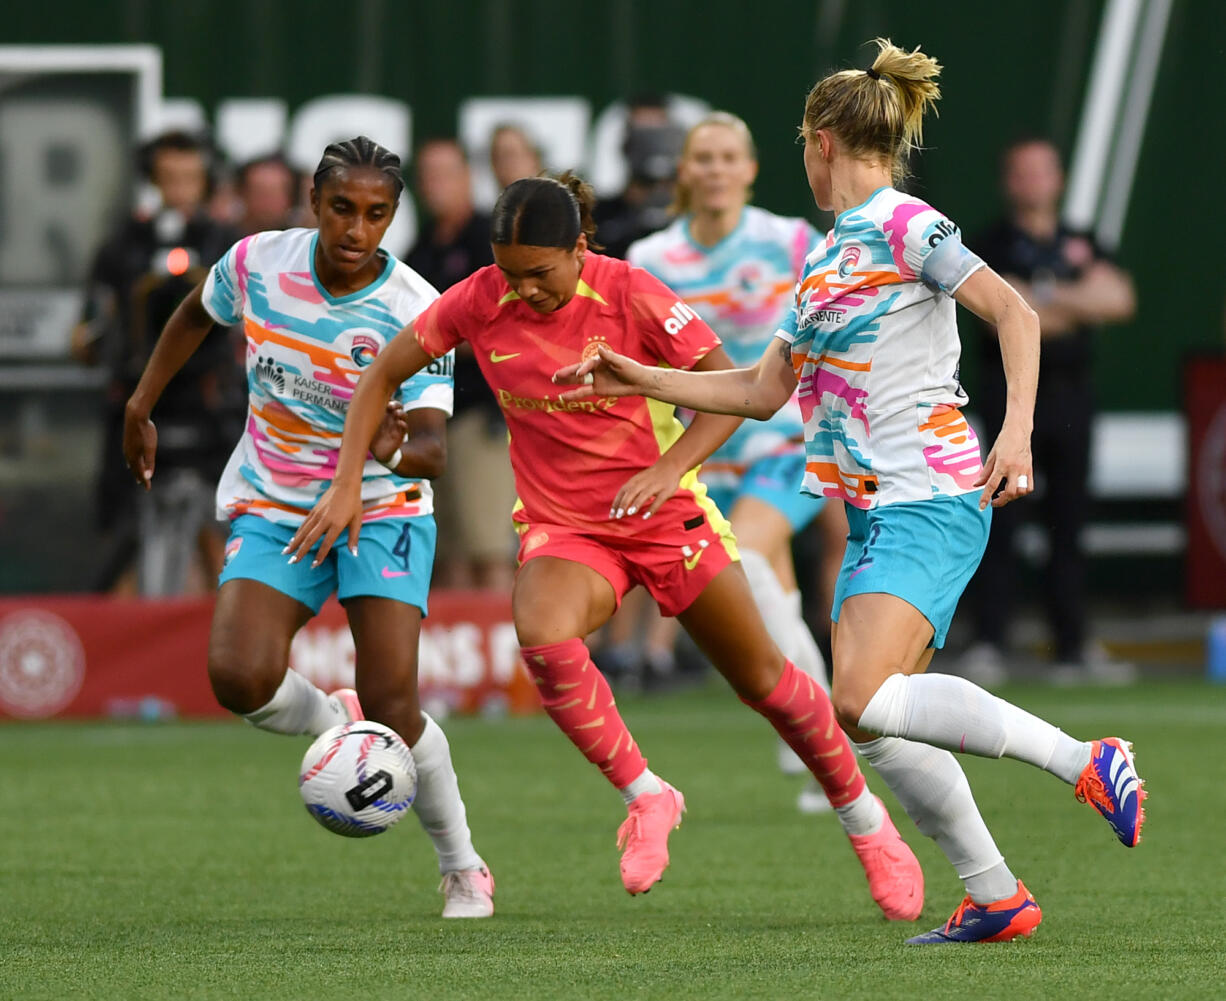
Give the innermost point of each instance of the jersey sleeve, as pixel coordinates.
(790, 324)
(225, 286)
(933, 251)
(670, 329)
(433, 387)
(440, 327)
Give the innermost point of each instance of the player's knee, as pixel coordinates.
(242, 682)
(849, 702)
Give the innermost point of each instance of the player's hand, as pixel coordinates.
(140, 445)
(645, 493)
(338, 510)
(1008, 471)
(606, 373)
(391, 433)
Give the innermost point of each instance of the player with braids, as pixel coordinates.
(872, 342)
(549, 301)
(318, 306)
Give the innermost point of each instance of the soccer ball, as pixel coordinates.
(358, 779)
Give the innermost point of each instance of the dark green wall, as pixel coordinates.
(1013, 66)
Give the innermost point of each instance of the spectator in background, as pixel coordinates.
(138, 277)
(1074, 287)
(513, 155)
(267, 189)
(652, 148)
(476, 546)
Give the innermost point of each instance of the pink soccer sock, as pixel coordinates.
(804, 717)
(577, 698)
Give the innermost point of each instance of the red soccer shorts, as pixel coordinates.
(674, 557)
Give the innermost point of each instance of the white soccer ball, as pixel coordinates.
(358, 779)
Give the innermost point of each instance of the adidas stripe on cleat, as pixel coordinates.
(1001, 921)
(1111, 785)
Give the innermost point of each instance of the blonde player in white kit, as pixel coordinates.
(736, 266)
(872, 343)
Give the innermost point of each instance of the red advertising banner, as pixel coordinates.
(1205, 409)
(98, 657)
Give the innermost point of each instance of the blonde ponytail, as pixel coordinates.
(878, 112)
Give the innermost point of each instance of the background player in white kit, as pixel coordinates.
(317, 307)
(736, 265)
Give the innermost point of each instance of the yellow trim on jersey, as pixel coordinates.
(511, 296)
(667, 430)
(586, 290)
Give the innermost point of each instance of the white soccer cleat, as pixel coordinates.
(468, 893)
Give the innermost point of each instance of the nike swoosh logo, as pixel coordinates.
(495, 357)
(389, 573)
(692, 561)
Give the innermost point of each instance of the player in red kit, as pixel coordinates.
(546, 303)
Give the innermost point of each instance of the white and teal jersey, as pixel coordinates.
(743, 288)
(875, 344)
(305, 351)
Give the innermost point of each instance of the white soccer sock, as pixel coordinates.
(645, 784)
(863, 815)
(781, 613)
(298, 707)
(804, 651)
(958, 715)
(932, 788)
(438, 805)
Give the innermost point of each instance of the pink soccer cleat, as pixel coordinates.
(348, 699)
(468, 893)
(644, 837)
(895, 877)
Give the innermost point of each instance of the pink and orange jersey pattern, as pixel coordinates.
(743, 287)
(305, 351)
(571, 458)
(875, 348)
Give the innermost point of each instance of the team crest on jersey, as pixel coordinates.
(849, 262)
(270, 372)
(591, 347)
(363, 349)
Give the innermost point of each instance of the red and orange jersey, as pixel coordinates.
(571, 458)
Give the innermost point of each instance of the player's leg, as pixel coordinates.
(384, 591)
(904, 568)
(724, 622)
(557, 601)
(764, 538)
(928, 782)
(261, 603)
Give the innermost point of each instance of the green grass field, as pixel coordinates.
(176, 861)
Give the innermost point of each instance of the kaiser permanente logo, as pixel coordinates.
(549, 405)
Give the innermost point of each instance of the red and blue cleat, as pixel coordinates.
(997, 922)
(1111, 785)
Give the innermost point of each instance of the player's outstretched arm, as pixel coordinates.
(188, 325)
(742, 392)
(1008, 466)
(339, 509)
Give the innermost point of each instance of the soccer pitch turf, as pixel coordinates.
(175, 860)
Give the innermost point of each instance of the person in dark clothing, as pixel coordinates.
(139, 275)
(476, 546)
(652, 147)
(1074, 287)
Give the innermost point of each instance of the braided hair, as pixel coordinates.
(360, 152)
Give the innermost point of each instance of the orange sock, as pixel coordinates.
(804, 717)
(577, 698)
